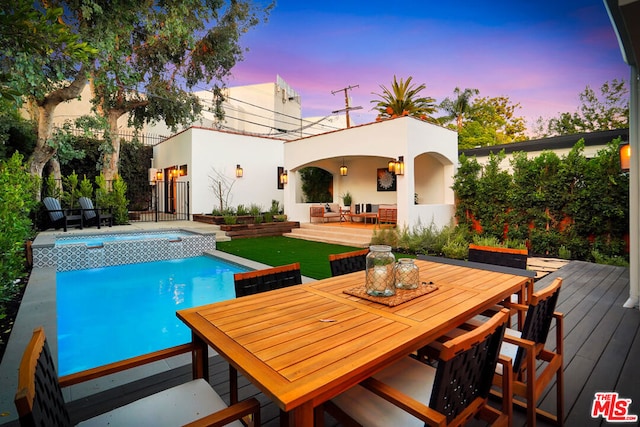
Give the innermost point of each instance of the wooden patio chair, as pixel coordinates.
(39, 399)
(253, 282)
(348, 262)
(412, 393)
(534, 366)
(61, 217)
(93, 215)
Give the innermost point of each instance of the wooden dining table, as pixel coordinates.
(305, 344)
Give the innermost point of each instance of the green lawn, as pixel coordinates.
(312, 256)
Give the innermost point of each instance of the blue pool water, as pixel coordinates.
(97, 239)
(113, 313)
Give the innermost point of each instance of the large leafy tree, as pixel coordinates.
(482, 121)
(492, 121)
(45, 62)
(606, 110)
(458, 107)
(157, 53)
(403, 99)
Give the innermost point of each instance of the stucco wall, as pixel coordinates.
(209, 153)
(430, 155)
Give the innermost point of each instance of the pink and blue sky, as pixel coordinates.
(540, 53)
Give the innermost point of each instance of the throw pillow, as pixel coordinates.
(327, 208)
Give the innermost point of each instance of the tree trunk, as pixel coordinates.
(110, 159)
(46, 106)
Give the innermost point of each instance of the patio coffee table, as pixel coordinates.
(371, 215)
(305, 344)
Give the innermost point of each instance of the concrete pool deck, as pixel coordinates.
(38, 308)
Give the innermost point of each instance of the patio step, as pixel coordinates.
(335, 234)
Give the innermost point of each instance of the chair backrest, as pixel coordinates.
(466, 366)
(539, 316)
(254, 282)
(504, 257)
(348, 262)
(39, 399)
(87, 207)
(54, 209)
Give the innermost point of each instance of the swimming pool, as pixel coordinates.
(113, 313)
(100, 239)
(85, 251)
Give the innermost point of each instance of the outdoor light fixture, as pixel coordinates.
(284, 177)
(343, 169)
(625, 156)
(399, 166)
(239, 171)
(159, 175)
(392, 165)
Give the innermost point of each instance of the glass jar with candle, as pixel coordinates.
(380, 271)
(407, 274)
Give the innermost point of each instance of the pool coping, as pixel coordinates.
(38, 308)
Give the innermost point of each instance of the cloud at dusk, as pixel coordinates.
(539, 54)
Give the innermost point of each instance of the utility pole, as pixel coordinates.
(346, 102)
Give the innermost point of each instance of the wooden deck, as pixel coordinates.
(602, 350)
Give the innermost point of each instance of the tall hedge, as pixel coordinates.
(17, 199)
(551, 202)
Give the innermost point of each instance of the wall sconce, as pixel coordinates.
(284, 177)
(159, 175)
(343, 169)
(399, 167)
(625, 156)
(239, 171)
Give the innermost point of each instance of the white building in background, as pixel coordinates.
(422, 194)
(265, 109)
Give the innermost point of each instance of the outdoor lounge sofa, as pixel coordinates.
(327, 212)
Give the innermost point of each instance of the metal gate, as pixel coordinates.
(167, 201)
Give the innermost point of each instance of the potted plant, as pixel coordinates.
(347, 199)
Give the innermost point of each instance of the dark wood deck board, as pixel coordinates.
(601, 342)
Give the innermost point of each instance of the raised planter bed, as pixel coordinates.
(248, 228)
(219, 219)
(240, 231)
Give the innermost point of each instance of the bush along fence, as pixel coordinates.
(571, 205)
(107, 194)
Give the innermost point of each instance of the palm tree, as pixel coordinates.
(403, 100)
(458, 107)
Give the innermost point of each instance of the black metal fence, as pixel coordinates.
(160, 201)
(153, 201)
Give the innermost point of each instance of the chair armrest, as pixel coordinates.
(514, 306)
(249, 407)
(123, 365)
(316, 211)
(404, 402)
(559, 317)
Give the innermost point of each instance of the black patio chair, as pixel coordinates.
(412, 393)
(39, 399)
(348, 262)
(59, 217)
(253, 282)
(93, 215)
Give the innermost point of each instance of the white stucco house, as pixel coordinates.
(429, 153)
